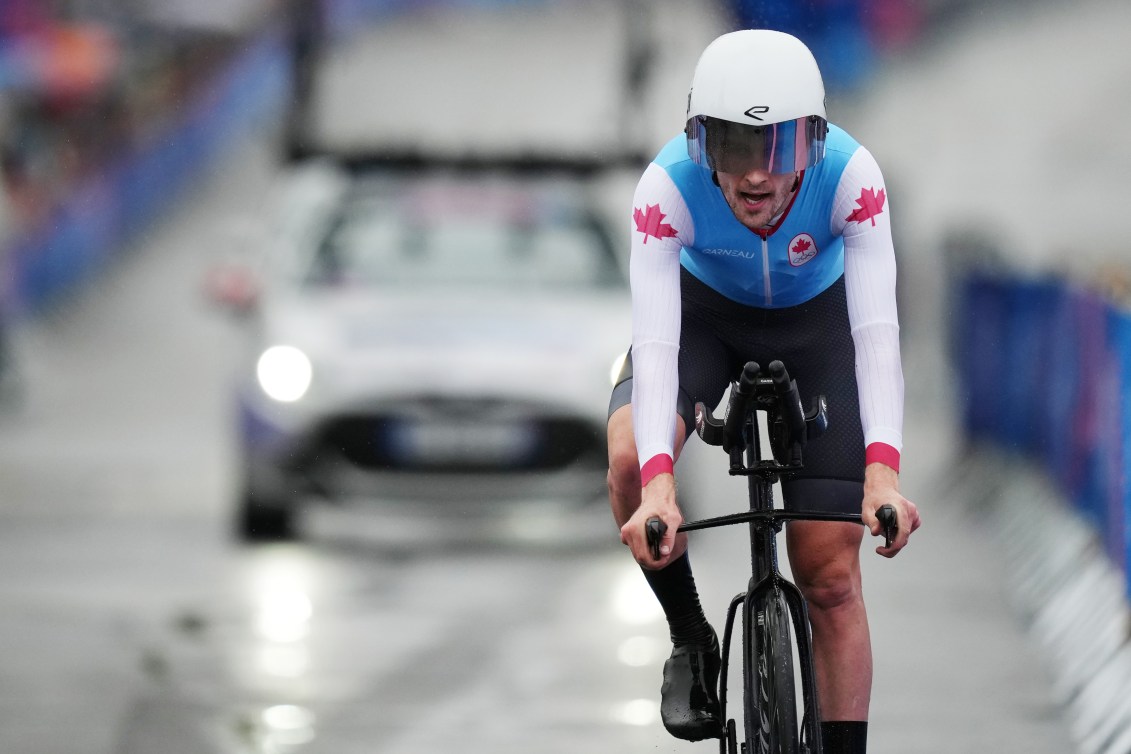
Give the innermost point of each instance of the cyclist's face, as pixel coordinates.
(756, 196)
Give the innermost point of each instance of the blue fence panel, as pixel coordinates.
(1094, 368)
(1119, 334)
(979, 354)
(1108, 483)
(1024, 350)
(1061, 375)
(1047, 371)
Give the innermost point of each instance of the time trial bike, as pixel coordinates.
(773, 609)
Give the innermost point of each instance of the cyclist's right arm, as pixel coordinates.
(660, 226)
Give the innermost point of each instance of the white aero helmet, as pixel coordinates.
(757, 102)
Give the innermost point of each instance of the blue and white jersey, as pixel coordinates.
(837, 223)
(788, 263)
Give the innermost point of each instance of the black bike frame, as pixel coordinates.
(739, 434)
(765, 522)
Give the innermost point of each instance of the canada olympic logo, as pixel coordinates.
(801, 249)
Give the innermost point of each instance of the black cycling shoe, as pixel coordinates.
(689, 703)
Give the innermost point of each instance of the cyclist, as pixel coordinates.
(763, 233)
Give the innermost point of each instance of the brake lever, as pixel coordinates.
(654, 530)
(889, 520)
(817, 418)
(709, 429)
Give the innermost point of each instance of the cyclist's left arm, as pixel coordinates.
(861, 215)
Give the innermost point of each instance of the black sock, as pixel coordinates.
(674, 587)
(845, 736)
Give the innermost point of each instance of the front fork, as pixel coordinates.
(799, 613)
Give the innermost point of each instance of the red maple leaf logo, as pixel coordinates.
(801, 246)
(871, 203)
(648, 223)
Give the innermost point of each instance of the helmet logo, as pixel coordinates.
(757, 111)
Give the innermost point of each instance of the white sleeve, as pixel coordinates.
(660, 226)
(861, 215)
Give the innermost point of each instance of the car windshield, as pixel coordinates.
(479, 238)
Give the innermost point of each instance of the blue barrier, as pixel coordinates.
(1046, 372)
(1119, 459)
(106, 211)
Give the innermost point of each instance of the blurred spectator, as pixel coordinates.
(1113, 281)
(86, 83)
(895, 25)
(54, 79)
(846, 36)
(8, 231)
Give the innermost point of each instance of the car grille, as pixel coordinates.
(463, 442)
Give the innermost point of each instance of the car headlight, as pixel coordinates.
(284, 373)
(615, 369)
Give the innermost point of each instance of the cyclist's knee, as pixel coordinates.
(825, 561)
(831, 591)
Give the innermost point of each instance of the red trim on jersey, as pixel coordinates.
(661, 463)
(767, 232)
(881, 452)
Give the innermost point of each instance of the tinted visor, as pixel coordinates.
(729, 147)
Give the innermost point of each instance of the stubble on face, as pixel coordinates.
(756, 197)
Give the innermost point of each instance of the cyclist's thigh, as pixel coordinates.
(706, 366)
(815, 343)
(707, 360)
(621, 399)
(824, 553)
(621, 441)
(824, 495)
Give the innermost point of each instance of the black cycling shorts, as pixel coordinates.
(718, 336)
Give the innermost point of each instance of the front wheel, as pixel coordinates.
(771, 715)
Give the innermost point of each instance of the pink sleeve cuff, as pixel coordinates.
(657, 464)
(881, 452)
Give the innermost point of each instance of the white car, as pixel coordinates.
(439, 335)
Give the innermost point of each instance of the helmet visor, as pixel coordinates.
(729, 147)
